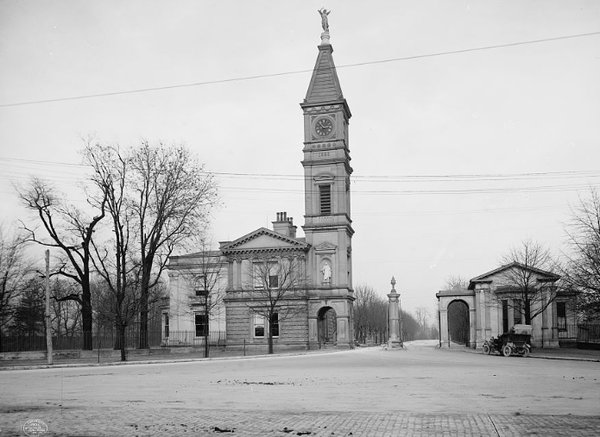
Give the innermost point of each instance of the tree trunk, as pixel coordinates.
(270, 341)
(86, 316)
(121, 340)
(206, 328)
(527, 312)
(143, 344)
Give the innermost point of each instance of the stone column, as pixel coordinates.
(443, 323)
(481, 309)
(394, 317)
(472, 327)
(230, 275)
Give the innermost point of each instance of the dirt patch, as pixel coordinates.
(23, 408)
(237, 382)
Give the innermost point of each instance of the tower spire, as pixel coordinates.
(324, 84)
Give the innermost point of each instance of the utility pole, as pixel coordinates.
(48, 320)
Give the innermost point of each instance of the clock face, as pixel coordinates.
(323, 126)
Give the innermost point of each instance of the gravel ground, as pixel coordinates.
(419, 391)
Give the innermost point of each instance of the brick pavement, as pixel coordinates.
(137, 420)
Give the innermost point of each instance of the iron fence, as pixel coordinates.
(109, 339)
(589, 334)
(189, 338)
(568, 331)
(102, 339)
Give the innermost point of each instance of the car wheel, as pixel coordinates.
(486, 349)
(506, 351)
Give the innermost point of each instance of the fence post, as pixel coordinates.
(244, 347)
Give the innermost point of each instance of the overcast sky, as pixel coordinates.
(457, 157)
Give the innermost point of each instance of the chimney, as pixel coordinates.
(284, 225)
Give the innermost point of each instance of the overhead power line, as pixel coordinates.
(456, 177)
(289, 73)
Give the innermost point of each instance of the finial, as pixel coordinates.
(393, 282)
(325, 24)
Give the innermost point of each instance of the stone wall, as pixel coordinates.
(293, 327)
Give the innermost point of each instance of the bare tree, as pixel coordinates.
(204, 279)
(14, 271)
(371, 318)
(66, 320)
(170, 195)
(421, 315)
(410, 327)
(71, 232)
(120, 273)
(527, 262)
(456, 283)
(370, 315)
(582, 270)
(278, 291)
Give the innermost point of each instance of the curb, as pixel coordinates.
(531, 355)
(181, 360)
(546, 357)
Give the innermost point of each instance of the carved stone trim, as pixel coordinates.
(326, 247)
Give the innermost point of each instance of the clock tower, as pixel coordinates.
(328, 224)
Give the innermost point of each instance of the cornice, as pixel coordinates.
(231, 246)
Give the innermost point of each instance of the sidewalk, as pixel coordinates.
(566, 354)
(542, 353)
(141, 421)
(132, 358)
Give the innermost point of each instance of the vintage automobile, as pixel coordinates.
(515, 342)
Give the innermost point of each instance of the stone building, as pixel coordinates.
(317, 309)
(492, 304)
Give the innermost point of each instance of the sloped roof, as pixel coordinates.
(324, 85)
(206, 253)
(549, 276)
(273, 241)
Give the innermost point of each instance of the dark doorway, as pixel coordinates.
(327, 325)
(458, 322)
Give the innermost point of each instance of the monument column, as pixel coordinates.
(394, 317)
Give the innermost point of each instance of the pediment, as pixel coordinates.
(499, 276)
(263, 239)
(325, 247)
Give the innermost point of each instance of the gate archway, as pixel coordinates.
(458, 322)
(327, 325)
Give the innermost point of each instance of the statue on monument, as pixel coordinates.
(326, 270)
(324, 13)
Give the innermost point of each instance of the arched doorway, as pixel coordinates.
(458, 322)
(327, 325)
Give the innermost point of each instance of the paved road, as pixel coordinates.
(421, 391)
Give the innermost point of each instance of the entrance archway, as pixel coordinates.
(327, 325)
(458, 322)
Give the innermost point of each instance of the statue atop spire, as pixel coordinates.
(325, 24)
